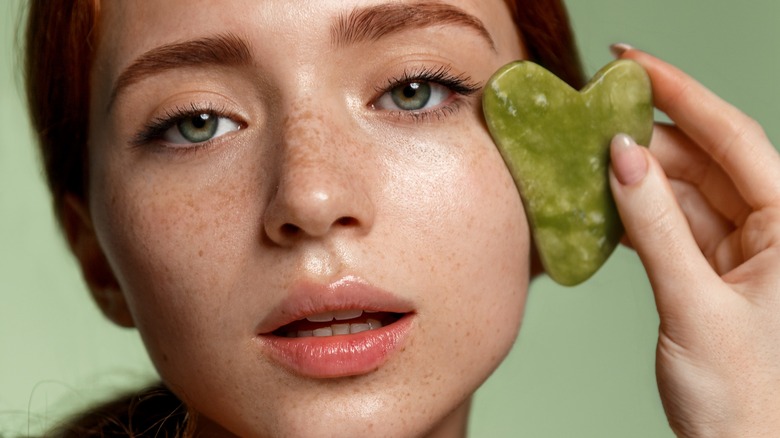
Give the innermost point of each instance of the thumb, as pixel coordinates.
(656, 226)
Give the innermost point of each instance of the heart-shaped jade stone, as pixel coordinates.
(555, 142)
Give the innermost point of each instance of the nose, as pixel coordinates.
(322, 186)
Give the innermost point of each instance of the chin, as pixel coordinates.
(393, 401)
(356, 416)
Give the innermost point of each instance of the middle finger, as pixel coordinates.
(683, 160)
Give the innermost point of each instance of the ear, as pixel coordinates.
(95, 269)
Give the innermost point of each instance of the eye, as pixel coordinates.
(425, 92)
(199, 128)
(414, 96)
(187, 127)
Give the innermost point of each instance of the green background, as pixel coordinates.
(583, 365)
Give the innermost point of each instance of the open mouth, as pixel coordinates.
(345, 328)
(339, 322)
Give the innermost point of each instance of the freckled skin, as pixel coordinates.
(315, 187)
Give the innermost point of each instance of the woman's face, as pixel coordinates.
(253, 164)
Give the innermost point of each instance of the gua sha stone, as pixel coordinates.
(555, 142)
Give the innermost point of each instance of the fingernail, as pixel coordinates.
(628, 160)
(620, 48)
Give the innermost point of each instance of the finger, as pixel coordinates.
(728, 253)
(734, 140)
(657, 227)
(707, 225)
(683, 160)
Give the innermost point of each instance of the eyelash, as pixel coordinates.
(461, 85)
(154, 130)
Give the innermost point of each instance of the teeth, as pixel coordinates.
(340, 329)
(357, 328)
(341, 315)
(321, 317)
(325, 331)
(337, 329)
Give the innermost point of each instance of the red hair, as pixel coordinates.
(59, 50)
(549, 39)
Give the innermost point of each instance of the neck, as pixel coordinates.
(454, 425)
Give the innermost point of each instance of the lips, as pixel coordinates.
(342, 329)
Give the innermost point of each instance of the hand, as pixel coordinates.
(702, 209)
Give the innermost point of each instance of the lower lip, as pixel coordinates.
(341, 355)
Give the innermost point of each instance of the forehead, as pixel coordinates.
(129, 29)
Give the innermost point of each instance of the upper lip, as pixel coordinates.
(306, 298)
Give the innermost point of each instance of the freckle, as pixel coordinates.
(200, 253)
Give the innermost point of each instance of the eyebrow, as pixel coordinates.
(364, 24)
(374, 22)
(218, 50)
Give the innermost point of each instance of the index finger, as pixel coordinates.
(731, 138)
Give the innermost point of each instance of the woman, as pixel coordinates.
(238, 193)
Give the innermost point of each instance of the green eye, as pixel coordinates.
(412, 96)
(198, 128)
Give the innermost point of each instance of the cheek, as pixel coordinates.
(464, 222)
(176, 241)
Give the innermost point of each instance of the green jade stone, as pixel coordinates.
(555, 142)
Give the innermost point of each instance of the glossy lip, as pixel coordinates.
(341, 355)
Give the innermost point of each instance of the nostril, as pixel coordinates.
(290, 229)
(347, 221)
